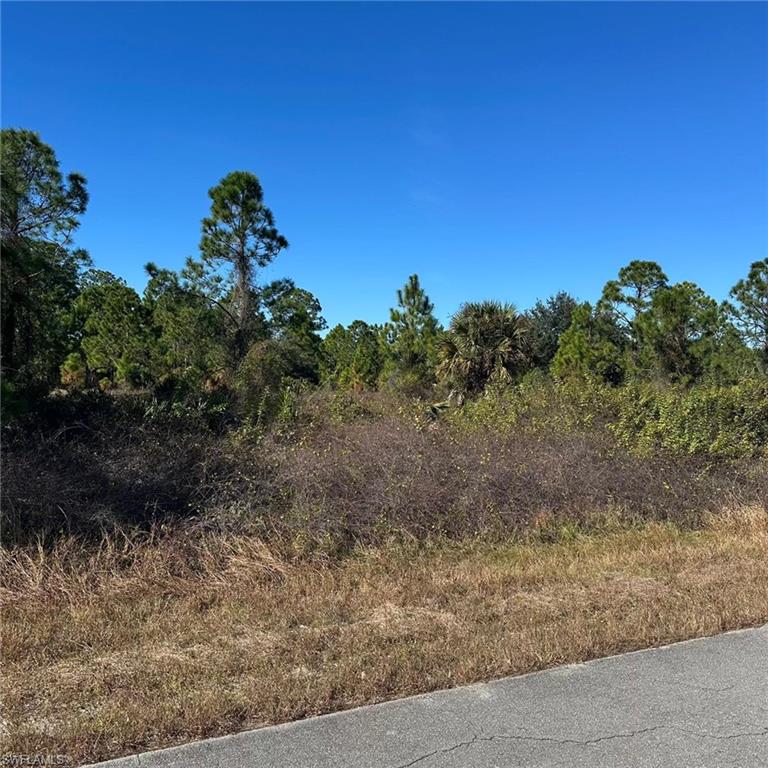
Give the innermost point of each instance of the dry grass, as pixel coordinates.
(144, 643)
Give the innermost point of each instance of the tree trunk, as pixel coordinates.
(8, 336)
(243, 309)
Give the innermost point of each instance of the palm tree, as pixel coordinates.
(485, 343)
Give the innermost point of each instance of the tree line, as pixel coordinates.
(213, 326)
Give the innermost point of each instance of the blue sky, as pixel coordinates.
(499, 150)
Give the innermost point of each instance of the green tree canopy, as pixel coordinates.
(37, 203)
(352, 357)
(39, 275)
(631, 294)
(116, 339)
(547, 321)
(294, 319)
(679, 330)
(591, 346)
(240, 232)
(189, 333)
(412, 337)
(749, 308)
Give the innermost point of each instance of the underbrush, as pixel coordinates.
(724, 421)
(361, 482)
(83, 465)
(343, 469)
(644, 418)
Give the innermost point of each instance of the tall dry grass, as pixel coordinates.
(147, 640)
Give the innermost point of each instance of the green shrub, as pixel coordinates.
(259, 383)
(290, 415)
(728, 421)
(537, 405)
(129, 372)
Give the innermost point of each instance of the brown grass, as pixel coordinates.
(150, 641)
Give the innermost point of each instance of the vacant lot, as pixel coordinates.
(161, 638)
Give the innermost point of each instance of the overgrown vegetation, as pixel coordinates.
(213, 397)
(203, 451)
(339, 469)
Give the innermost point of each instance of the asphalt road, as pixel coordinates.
(689, 705)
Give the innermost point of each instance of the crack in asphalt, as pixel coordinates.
(521, 737)
(692, 687)
(746, 734)
(579, 742)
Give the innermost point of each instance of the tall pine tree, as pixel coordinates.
(412, 338)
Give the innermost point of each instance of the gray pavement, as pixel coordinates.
(702, 703)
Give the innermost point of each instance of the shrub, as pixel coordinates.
(344, 468)
(259, 383)
(73, 371)
(729, 421)
(129, 372)
(91, 461)
(369, 479)
(537, 405)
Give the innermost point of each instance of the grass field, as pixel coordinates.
(151, 641)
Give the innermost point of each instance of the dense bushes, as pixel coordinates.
(341, 468)
(644, 418)
(539, 405)
(369, 478)
(726, 421)
(80, 464)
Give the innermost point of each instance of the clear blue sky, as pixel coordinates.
(499, 150)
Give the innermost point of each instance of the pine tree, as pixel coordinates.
(749, 309)
(240, 231)
(39, 274)
(590, 347)
(547, 322)
(116, 339)
(625, 300)
(412, 338)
